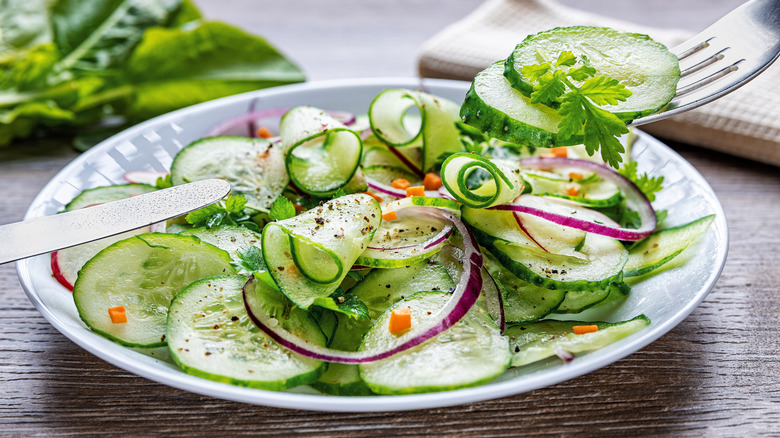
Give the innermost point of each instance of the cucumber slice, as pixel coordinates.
(603, 264)
(645, 67)
(101, 195)
(210, 335)
(435, 133)
(523, 302)
(322, 153)
(66, 263)
(230, 238)
(468, 354)
(386, 174)
(402, 241)
(310, 254)
(498, 110)
(590, 191)
(252, 166)
(664, 245)
(535, 341)
(143, 273)
(380, 289)
(498, 182)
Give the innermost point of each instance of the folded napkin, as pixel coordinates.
(744, 123)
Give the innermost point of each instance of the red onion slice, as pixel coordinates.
(462, 300)
(406, 161)
(384, 188)
(635, 200)
(247, 124)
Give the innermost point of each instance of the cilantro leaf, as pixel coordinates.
(235, 204)
(281, 209)
(339, 193)
(549, 88)
(163, 182)
(228, 212)
(534, 72)
(250, 260)
(601, 131)
(566, 58)
(647, 184)
(602, 90)
(580, 105)
(346, 303)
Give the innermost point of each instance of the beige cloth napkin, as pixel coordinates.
(744, 123)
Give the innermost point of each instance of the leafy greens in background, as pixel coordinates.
(76, 63)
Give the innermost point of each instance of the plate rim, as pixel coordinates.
(92, 342)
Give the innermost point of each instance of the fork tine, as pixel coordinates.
(724, 56)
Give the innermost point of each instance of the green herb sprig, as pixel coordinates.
(554, 85)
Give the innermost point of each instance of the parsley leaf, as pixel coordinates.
(228, 212)
(163, 182)
(339, 193)
(647, 184)
(346, 303)
(281, 209)
(579, 105)
(250, 260)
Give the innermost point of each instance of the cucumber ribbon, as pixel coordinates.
(461, 301)
(435, 133)
(322, 154)
(478, 182)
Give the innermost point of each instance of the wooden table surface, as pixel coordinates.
(716, 374)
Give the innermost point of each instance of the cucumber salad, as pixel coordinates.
(426, 245)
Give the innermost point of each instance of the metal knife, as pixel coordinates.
(46, 234)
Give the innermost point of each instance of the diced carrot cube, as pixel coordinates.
(432, 181)
(583, 329)
(576, 176)
(560, 152)
(400, 320)
(389, 216)
(415, 191)
(374, 195)
(401, 184)
(117, 314)
(264, 132)
(573, 191)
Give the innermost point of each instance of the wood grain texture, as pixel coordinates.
(715, 374)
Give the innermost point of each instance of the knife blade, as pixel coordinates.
(50, 233)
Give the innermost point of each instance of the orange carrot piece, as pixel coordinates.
(400, 320)
(299, 208)
(374, 195)
(415, 191)
(389, 216)
(560, 152)
(576, 176)
(117, 314)
(263, 132)
(432, 181)
(572, 191)
(582, 329)
(401, 184)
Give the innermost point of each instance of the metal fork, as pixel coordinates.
(724, 57)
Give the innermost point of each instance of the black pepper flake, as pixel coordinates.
(216, 326)
(319, 220)
(234, 318)
(280, 268)
(387, 286)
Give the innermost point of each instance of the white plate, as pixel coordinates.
(666, 298)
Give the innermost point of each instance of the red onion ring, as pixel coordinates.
(407, 162)
(250, 121)
(462, 300)
(384, 188)
(635, 200)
